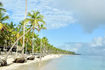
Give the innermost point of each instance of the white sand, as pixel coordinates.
(17, 65)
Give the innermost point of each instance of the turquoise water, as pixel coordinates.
(71, 63)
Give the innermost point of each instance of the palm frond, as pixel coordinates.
(42, 26)
(42, 21)
(1, 4)
(40, 16)
(29, 14)
(37, 13)
(5, 18)
(2, 9)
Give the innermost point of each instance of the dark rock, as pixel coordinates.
(31, 58)
(3, 62)
(19, 60)
(38, 57)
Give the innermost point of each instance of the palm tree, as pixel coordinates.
(45, 42)
(38, 42)
(36, 20)
(3, 29)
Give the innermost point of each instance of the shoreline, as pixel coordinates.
(14, 66)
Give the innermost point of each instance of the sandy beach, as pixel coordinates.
(13, 66)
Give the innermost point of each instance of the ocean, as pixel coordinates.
(69, 62)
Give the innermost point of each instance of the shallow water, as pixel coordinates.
(81, 62)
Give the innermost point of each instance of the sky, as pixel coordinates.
(74, 25)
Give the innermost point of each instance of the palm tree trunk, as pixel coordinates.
(45, 49)
(33, 43)
(41, 50)
(17, 49)
(26, 48)
(24, 26)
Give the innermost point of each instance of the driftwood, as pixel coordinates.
(31, 58)
(3, 62)
(19, 60)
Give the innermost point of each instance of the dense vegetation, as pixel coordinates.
(11, 33)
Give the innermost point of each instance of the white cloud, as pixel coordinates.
(98, 42)
(55, 18)
(90, 13)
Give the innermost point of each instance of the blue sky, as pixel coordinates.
(76, 25)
